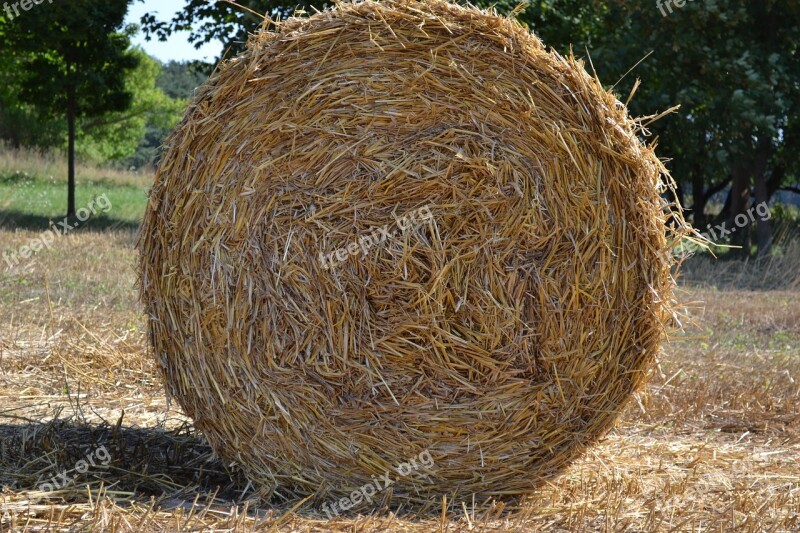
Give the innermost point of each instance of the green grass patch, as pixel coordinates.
(31, 202)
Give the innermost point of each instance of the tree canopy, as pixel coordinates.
(117, 135)
(223, 21)
(733, 69)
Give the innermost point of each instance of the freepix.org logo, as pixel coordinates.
(366, 493)
(12, 10)
(47, 238)
(377, 237)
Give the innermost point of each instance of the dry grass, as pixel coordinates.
(777, 271)
(713, 445)
(53, 166)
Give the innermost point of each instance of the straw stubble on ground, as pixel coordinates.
(713, 444)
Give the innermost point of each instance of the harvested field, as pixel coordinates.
(713, 444)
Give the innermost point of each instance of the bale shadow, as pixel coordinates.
(56, 460)
(174, 469)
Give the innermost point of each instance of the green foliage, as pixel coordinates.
(732, 66)
(180, 79)
(221, 21)
(20, 123)
(73, 47)
(117, 135)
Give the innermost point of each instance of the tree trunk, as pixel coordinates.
(71, 111)
(722, 216)
(699, 196)
(775, 180)
(740, 197)
(763, 227)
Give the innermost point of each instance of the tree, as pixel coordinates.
(732, 67)
(74, 58)
(179, 79)
(223, 21)
(117, 135)
(20, 124)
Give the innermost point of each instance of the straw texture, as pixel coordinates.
(502, 333)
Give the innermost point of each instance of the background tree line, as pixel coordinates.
(731, 66)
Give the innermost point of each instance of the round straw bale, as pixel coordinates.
(401, 245)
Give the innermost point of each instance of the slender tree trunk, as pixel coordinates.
(775, 180)
(71, 111)
(722, 216)
(740, 197)
(698, 194)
